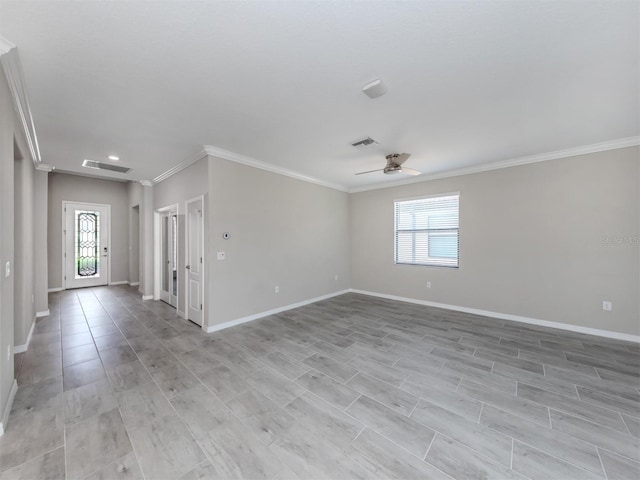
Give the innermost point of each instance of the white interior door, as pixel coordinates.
(86, 244)
(169, 258)
(195, 265)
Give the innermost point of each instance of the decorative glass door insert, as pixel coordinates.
(87, 241)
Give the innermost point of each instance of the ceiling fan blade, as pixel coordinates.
(403, 157)
(370, 171)
(411, 171)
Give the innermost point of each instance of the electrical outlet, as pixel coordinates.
(277, 289)
(607, 306)
(221, 256)
(428, 284)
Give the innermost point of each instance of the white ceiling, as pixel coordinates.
(280, 81)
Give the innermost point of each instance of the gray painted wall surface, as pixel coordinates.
(136, 207)
(177, 189)
(548, 241)
(41, 270)
(284, 232)
(73, 188)
(6, 242)
(24, 281)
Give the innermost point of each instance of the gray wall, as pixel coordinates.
(284, 232)
(24, 306)
(177, 189)
(548, 241)
(136, 205)
(40, 241)
(74, 188)
(6, 242)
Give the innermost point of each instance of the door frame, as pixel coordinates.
(64, 238)
(157, 248)
(197, 198)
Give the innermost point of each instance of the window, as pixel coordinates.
(426, 231)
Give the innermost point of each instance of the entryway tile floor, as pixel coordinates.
(351, 387)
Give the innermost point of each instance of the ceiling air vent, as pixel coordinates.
(364, 142)
(105, 166)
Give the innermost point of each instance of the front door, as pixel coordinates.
(195, 265)
(86, 241)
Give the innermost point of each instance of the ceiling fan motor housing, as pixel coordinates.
(392, 168)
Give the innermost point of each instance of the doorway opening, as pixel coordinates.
(167, 255)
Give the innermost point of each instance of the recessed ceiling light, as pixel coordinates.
(115, 158)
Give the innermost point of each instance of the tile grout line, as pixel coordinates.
(126, 428)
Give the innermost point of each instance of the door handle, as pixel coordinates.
(188, 267)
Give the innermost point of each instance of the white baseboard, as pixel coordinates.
(56, 289)
(181, 314)
(25, 347)
(250, 318)
(506, 316)
(133, 284)
(147, 297)
(119, 282)
(45, 313)
(7, 408)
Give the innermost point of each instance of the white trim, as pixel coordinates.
(147, 297)
(133, 284)
(44, 313)
(157, 246)
(542, 157)
(5, 46)
(64, 239)
(7, 408)
(507, 316)
(187, 240)
(23, 348)
(119, 282)
(235, 157)
(256, 316)
(45, 167)
(146, 183)
(56, 289)
(187, 162)
(15, 78)
(181, 314)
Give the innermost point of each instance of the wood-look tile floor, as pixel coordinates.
(351, 387)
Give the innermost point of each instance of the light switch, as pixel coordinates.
(7, 269)
(221, 256)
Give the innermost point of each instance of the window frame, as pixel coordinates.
(395, 233)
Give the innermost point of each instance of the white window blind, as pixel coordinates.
(426, 231)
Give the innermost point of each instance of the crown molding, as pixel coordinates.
(146, 183)
(15, 78)
(45, 167)
(190, 160)
(5, 45)
(252, 162)
(542, 157)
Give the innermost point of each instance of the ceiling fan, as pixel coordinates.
(394, 165)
